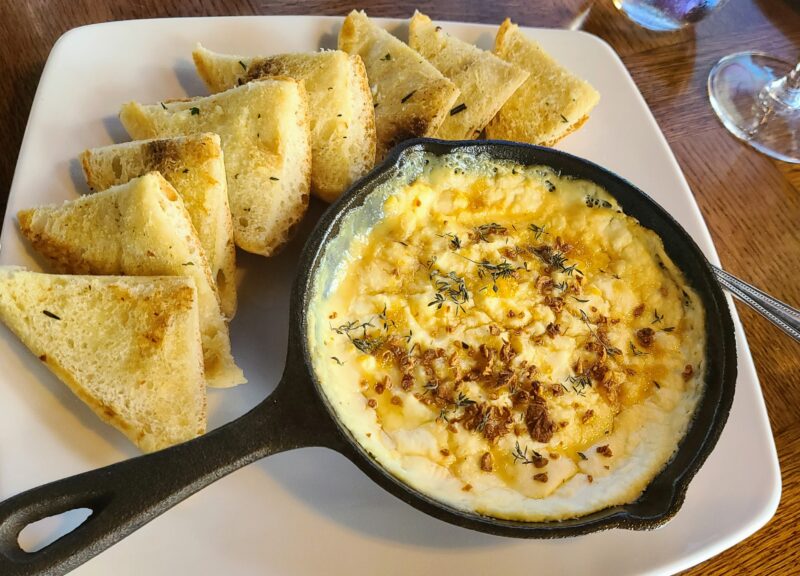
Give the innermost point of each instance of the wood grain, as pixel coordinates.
(751, 203)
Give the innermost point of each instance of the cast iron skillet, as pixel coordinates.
(129, 494)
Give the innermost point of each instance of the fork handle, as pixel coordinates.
(777, 312)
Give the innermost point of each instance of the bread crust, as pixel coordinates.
(411, 97)
(471, 70)
(194, 165)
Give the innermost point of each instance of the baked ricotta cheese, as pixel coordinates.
(507, 341)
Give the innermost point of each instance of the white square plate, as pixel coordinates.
(311, 511)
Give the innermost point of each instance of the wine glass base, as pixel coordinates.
(738, 90)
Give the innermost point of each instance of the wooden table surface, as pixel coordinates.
(751, 203)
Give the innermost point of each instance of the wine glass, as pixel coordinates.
(667, 15)
(757, 98)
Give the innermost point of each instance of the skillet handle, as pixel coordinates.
(125, 496)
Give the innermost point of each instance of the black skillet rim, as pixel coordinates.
(666, 493)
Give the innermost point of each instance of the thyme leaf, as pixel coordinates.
(364, 343)
(610, 350)
(449, 287)
(485, 231)
(579, 383)
(455, 241)
(522, 455)
(463, 400)
(537, 231)
(496, 271)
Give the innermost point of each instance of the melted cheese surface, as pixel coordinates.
(507, 341)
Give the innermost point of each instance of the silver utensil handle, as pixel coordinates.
(780, 314)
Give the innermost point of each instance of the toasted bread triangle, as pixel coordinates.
(342, 122)
(485, 81)
(264, 130)
(195, 167)
(410, 96)
(129, 347)
(551, 103)
(136, 229)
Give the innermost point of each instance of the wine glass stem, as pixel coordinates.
(786, 90)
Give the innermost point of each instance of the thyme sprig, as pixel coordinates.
(579, 383)
(431, 386)
(449, 287)
(553, 258)
(364, 343)
(502, 269)
(522, 455)
(386, 321)
(636, 351)
(463, 400)
(610, 350)
(538, 231)
(485, 231)
(455, 241)
(556, 259)
(568, 270)
(484, 421)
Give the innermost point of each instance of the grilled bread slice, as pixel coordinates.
(136, 229)
(340, 107)
(129, 347)
(195, 167)
(552, 103)
(410, 96)
(264, 130)
(471, 69)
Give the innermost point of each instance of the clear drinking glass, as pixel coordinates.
(757, 98)
(666, 15)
